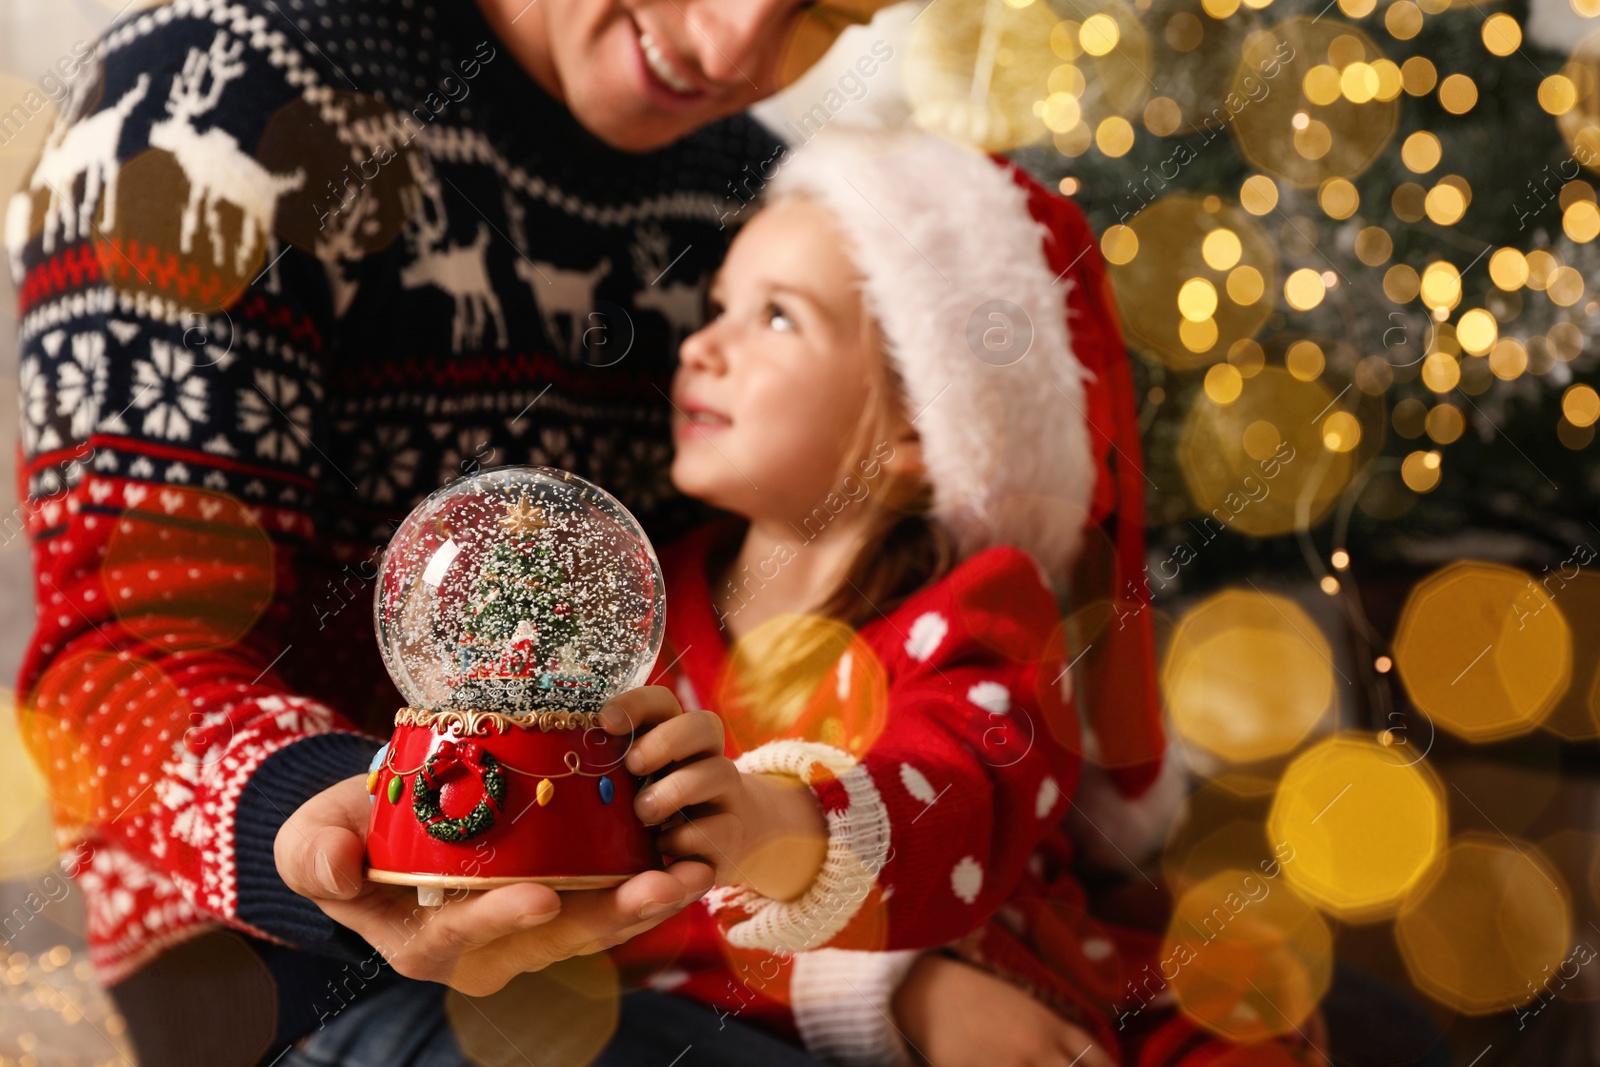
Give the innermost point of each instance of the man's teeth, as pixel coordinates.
(657, 61)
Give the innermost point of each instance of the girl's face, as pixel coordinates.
(770, 396)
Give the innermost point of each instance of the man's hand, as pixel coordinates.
(955, 1015)
(476, 942)
(762, 830)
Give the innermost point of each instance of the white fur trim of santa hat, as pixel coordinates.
(975, 324)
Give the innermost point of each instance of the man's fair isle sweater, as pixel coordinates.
(932, 747)
(285, 268)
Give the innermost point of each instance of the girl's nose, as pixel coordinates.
(702, 350)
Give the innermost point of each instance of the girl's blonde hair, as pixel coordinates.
(776, 668)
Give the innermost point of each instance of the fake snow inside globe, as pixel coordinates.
(511, 605)
(519, 590)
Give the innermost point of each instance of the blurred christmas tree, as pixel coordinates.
(1353, 245)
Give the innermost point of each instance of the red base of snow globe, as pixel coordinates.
(474, 800)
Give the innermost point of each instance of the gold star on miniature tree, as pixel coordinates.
(523, 519)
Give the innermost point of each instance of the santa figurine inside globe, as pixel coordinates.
(511, 605)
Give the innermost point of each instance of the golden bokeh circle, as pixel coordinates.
(100, 725)
(1266, 498)
(975, 73)
(1403, 20)
(1164, 249)
(1458, 94)
(1483, 650)
(1258, 194)
(1444, 424)
(1477, 331)
(1107, 71)
(1557, 94)
(1114, 136)
(192, 563)
(1304, 289)
(1248, 676)
(1374, 246)
(1575, 101)
(1198, 49)
(1366, 823)
(1325, 116)
(1421, 152)
(1576, 716)
(27, 846)
(1478, 935)
(568, 1012)
(804, 678)
(1252, 958)
(1501, 33)
(1421, 471)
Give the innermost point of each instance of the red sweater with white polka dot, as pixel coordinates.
(941, 748)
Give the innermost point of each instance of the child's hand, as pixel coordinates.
(762, 830)
(955, 1015)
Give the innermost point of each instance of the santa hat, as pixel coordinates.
(956, 277)
(991, 297)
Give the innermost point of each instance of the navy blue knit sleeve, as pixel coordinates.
(284, 781)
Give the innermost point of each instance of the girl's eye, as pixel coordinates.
(778, 320)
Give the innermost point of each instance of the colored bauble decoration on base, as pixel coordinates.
(511, 605)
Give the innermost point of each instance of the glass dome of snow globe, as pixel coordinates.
(519, 590)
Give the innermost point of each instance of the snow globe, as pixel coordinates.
(511, 604)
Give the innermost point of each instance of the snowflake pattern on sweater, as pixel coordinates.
(284, 269)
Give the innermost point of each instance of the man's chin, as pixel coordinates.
(633, 125)
(636, 132)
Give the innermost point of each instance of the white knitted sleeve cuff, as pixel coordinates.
(842, 1003)
(858, 848)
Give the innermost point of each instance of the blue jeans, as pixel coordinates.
(405, 1026)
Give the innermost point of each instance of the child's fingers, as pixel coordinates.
(700, 782)
(639, 709)
(691, 734)
(715, 838)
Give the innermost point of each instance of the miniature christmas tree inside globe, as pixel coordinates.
(519, 590)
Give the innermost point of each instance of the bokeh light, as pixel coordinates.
(1576, 716)
(1573, 97)
(1169, 256)
(1328, 115)
(1478, 936)
(960, 88)
(1248, 676)
(565, 1015)
(1366, 821)
(1104, 65)
(206, 566)
(1483, 650)
(1252, 959)
(1257, 496)
(832, 688)
(100, 725)
(27, 845)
